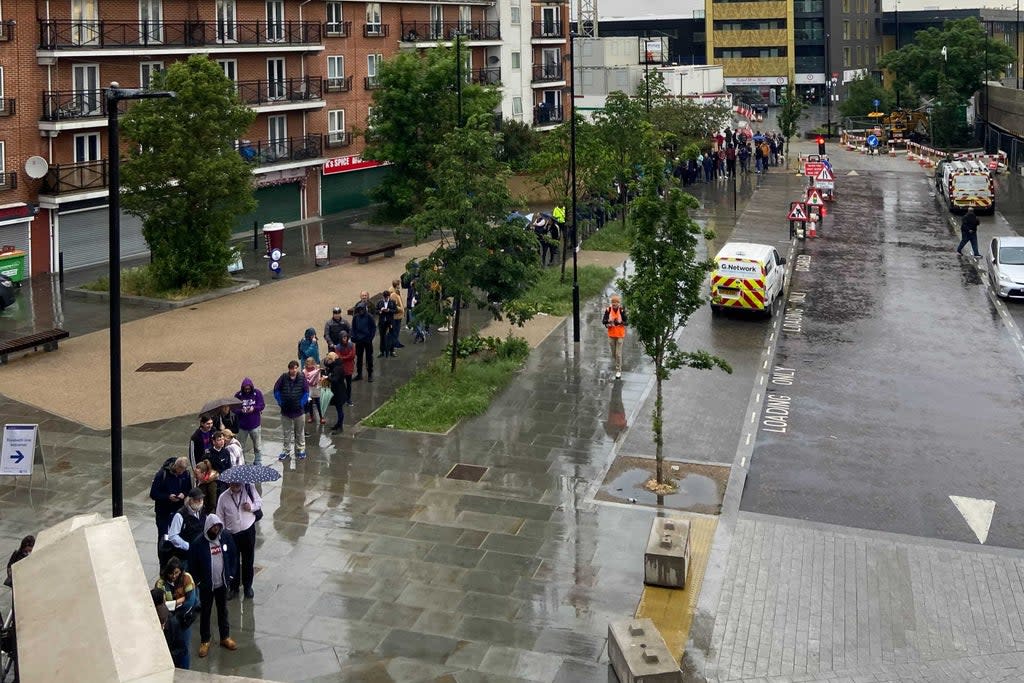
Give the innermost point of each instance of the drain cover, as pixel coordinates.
(464, 472)
(163, 367)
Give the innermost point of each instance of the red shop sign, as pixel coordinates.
(352, 162)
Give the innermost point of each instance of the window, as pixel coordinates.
(336, 127)
(147, 70)
(275, 78)
(846, 56)
(151, 16)
(466, 20)
(226, 18)
(275, 20)
(369, 118)
(3, 161)
(85, 22)
(335, 25)
(87, 147)
(551, 59)
(551, 21)
(373, 22)
(373, 62)
(878, 53)
(860, 55)
(230, 68)
(846, 30)
(85, 81)
(517, 60)
(517, 107)
(516, 12)
(436, 22)
(846, 6)
(277, 129)
(336, 72)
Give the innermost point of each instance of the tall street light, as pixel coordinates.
(897, 47)
(114, 95)
(572, 175)
(1016, 45)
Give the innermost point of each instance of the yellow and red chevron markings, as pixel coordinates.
(750, 292)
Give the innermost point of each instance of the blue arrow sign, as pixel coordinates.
(872, 141)
(18, 456)
(876, 103)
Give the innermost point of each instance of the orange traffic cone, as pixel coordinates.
(812, 230)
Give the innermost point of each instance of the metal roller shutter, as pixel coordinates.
(277, 203)
(344, 191)
(16, 234)
(85, 235)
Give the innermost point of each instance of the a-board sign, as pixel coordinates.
(813, 168)
(19, 450)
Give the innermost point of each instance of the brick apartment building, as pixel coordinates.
(307, 67)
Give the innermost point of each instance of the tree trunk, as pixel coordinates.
(457, 304)
(659, 455)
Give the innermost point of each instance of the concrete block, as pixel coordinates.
(667, 558)
(84, 610)
(638, 654)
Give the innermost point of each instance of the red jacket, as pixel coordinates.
(347, 353)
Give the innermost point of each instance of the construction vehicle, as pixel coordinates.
(906, 124)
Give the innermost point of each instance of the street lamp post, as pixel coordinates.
(897, 47)
(1016, 45)
(115, 94)
(829, 85)
(458, 78)
(572, 176)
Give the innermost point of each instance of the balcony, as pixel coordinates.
(810, 65)
(99, 35)
(8, 180)
(67, 105)
(338, 29)
(84, 175)
(282, 91)
(263, 152)
(809, 35)
(548, 29)
(548, 73)
(339, 84)
(546, 115)
(7, 107)
(370, 83)
(6, 31)
(490, 75)
(376, 30)
(432, 31)
(338, 139)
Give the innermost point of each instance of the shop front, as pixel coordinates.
(82, 235)
(347, 181)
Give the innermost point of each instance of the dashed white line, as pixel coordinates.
(764, 365)
(747, 442)
(743, 461)
(762, 379)
(753, 416)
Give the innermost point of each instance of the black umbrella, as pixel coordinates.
(248, 474)
(216, 404)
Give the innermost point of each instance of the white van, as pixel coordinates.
(747, 277)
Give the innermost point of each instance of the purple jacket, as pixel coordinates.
(252, 405)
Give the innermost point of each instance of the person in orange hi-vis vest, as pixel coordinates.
(615, 320)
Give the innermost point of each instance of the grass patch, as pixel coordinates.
(435, 400)
(138, 282)
(614, 236)
(552, 296)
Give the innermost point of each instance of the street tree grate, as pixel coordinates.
(163, 367)
(464, 472)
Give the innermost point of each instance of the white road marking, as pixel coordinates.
(764, 365)
(977, 513)
(753, 416)
(743, 461)
(747, 442)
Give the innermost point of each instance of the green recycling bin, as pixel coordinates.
(12, 264)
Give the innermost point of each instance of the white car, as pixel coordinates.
(1006, 270)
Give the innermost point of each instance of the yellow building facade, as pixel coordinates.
(753, 42)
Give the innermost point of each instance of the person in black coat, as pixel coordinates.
(168, 490)
(363, 330)
(386, 310)
(969, 232)
(213, 563)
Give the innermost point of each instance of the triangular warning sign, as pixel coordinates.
(853, 173)
(825, 175)
(814, 197)
(797, 212)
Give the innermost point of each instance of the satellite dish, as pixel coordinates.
(36, 167)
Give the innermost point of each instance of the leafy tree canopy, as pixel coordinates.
(687, 122)
(184, 176)
(628, 137)
(551, 164)
(790, 111)
(414, 107)
(861, 95)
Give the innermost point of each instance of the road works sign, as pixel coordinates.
(824, 175)
(813, 168)
(797, 211)
(814, 197)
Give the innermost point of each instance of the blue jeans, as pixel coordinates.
(972, 238)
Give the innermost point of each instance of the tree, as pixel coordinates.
(415, 106)
(792, 108)
(519, 143)
(664, 291)
(687, 122)
(861, 95)
(183, 176)
(483, 258)
(652, 91)
(629, 139)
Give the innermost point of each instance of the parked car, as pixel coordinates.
(8, 291)
(1006, 270)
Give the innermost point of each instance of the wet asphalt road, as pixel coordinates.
(906, 381)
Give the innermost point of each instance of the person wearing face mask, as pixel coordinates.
(213, 563)
(186, 524)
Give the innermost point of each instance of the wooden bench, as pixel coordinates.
(363, 255)
(48, 340)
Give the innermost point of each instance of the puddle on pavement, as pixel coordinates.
(700, 487)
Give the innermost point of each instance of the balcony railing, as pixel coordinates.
(490, 75)
(808, 6)
(548, 29)
(417, 31)
(338, 29)
(338, 139)
(546, 115)
(370, 83)
(543, 73)
(7, 107)
(284, 90)
(91, 35)
(84, 175)
(809, 34)
(339, 84)
(8, 180)
(6, 30)
(64, 105)
(262, 152)
(809, 65)
(376, 30)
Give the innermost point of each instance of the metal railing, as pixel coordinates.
(283, 90)
(546, 115)
(338, 139)
(488, 75)
(376, 30)
(263, 152)
(416, 31)
(547, 72)
(8, 180)
(370, 83)
(84, 175)
(70, 34)
(338, 29)
(548, 29)
(64, 105)
(339, 84)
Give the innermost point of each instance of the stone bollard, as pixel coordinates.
(638, 654)
(667, 557)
